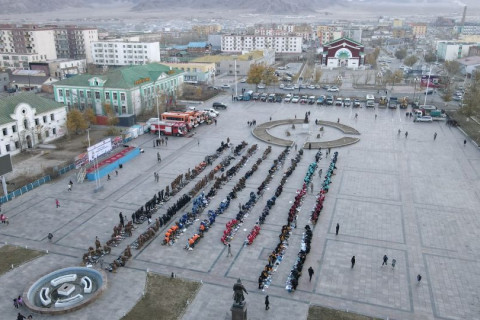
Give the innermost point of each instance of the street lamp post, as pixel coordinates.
(428, 83)
(414, 88)
(158, 115)
(235, 60)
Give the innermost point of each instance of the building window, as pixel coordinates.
(97, 95)
(114, 96)
(124, 109)
(37, 121)
(44, 119)
(14, 128)
(7, 147)
(122, 96)
(17, 145)
(54, 130)
(67, 93)
(107, 95)
(89, 94)
(4, 131)
(60, 92)
(52, 116)
(82, 94)
(47, 133)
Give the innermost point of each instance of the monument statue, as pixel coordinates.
(238, 290)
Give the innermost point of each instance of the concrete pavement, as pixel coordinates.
(414, 199)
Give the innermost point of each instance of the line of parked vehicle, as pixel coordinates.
(301, 99)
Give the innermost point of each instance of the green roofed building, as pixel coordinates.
(27, 119)
(127, 90)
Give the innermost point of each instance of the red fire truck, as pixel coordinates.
(169, 128)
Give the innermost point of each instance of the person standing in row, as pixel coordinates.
(122, 222)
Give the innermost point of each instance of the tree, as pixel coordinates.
(452, 67)
(396, 77)
(255, 74)
(268, 76)
(89, 116)
(75, 121)
(410, 60)
(401, 53)
(112, 117)
(430, 57)
(470, 105)
(447, 94)
(318, 75)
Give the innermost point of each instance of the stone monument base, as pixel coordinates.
(239, 312)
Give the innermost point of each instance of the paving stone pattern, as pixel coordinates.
(413, 199)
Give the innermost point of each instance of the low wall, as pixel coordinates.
(106, 169)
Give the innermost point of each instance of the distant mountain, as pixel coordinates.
(253, 6)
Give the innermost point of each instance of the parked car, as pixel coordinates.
(339, 102)
(457, 98)
(263, 97)
(289, 87)
(311, 100)
(304, 99)
(326, 87)
(303, 86)
(356, 103)
(282, 86)
(211, 110)
(423, 119)
(271, 97)
(219, 105)
(347, 102)
(428, 91)
(256, 96)
(295, 99)
(225, 86)
(261, 86)
(333, 89)
(329, 100)
(296, 86)
(317, 86)
(278, 98)
(312, 87)
(321, 100)
(243, 80)
(288, 98)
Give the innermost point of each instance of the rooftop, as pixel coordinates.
(253, 55)
(469, 61)
(41, 104)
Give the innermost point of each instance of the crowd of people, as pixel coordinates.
(296, 272)
(325, 186)
(276, 256)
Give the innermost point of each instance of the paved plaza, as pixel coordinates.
(414, 199)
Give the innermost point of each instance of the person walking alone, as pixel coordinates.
(229, 253)
(310, 273)
(394, 262)
(419, 278)
(57, 203)
(337, 228)
(464, 142)
(353, 261)
(434, 136)
(267, 303)
(385, 260)
(406, 134)
(122, 222)
(159, 159)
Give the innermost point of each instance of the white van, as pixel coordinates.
(370, 101)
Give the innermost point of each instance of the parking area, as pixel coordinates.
(410, 197)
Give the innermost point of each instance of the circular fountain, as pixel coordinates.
(65, 290)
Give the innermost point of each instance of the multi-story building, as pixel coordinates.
(27, 119)
(73, 42)
(228, 64)
(125, 53)
(207, 29)
(419, 30)
(195, 72)
(281, 44)
(327, 33)
(450, 50)
(397, 23)
(22, 44)
(61, 68)
(127, 90)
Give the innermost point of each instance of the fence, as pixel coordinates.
(34, 184)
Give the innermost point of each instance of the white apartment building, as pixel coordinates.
(19, 61)
(74, 42)
(449, 50)
(281, 44)
(125, 53)
(18, 45)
